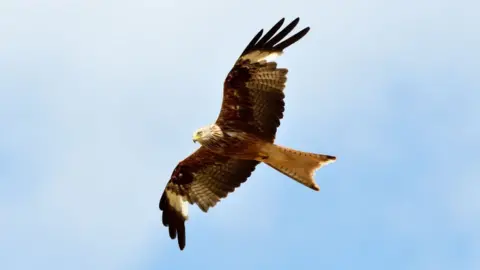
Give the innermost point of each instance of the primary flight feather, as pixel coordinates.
(242, 136)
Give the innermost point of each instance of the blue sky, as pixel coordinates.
(98, 101)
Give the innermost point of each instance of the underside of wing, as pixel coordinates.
(253, 96)
(203, 178)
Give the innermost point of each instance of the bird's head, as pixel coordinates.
(207, 133)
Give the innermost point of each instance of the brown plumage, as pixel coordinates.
(242, 136)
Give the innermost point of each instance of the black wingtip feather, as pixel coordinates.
(253, 42)
(270, 41)
(181, 236)
(278, 37)
(173, 220)
(270, 33)
(286, 43)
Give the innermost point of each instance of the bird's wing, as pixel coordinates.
(202, 178)
(253, 97)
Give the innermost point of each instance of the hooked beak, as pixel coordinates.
(195, 138)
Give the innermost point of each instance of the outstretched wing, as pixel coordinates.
(252, 101)
(253, 97)
(202, 178)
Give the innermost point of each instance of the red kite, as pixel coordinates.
(242, 136)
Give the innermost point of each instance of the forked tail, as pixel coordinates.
(298, 165)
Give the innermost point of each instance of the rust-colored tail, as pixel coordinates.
(298, 165)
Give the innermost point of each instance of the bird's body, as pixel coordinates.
(230, 143)
(242, 136)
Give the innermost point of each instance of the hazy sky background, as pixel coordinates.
(99, 99)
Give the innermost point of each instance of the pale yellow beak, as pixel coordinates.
(195, 138)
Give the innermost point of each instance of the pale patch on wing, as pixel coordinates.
(238, 135)
(232, 133)
(178, 203)
(258, 56)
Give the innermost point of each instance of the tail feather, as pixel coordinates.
(298, 165)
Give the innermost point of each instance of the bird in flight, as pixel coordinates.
(242, 136)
